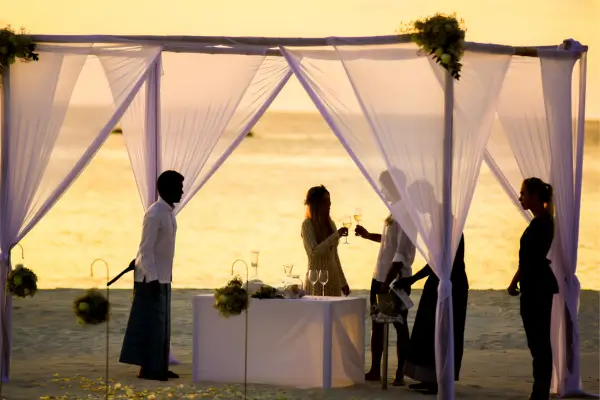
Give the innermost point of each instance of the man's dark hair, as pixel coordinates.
(167, 181)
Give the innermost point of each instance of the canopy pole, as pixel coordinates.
(447, 392)
(153, 127)
(235, 45)
(4, 185)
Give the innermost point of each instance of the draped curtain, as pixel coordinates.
(192, 125)
(205, 106)
(539, 135)
(386, 104)
(41, 153)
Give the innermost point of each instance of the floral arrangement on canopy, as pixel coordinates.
(15, 45)
(21, 282)
(232, 299)
(441, 36)
(92, 308)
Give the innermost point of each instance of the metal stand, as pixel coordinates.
(245, 331)
(386, 335)
(106, 384)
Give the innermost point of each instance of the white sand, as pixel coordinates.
(54, 356)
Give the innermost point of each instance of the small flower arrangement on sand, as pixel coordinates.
(21, 282)
(92, 308)
(231, 299)
(15, 45)
(441, 36)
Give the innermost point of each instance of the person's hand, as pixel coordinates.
(403, 283)
(343, 231)
(361, 231)
(346, 290)
(513, 290)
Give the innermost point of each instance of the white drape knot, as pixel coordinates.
(444, 290)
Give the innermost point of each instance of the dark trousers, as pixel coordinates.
(536, 312)
(402, 336)
(147, 336)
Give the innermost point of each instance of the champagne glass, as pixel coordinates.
(313, 277)
(323, 279)
(347, 223)
(357, 215)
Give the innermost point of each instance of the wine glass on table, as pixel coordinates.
(347, 223)
(313, 277)
(323, 279)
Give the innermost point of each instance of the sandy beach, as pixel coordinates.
(55, 358)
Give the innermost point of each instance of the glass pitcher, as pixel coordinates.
(292, 287)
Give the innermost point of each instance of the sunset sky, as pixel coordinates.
(516, 22)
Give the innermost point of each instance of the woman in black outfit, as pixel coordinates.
(536, 282)
(420, 362)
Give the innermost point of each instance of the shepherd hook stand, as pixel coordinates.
(245, 331)
(4, 331)
(107, 320)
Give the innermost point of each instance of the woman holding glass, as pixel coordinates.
(321, 240)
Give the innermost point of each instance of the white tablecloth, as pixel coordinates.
(310, 342)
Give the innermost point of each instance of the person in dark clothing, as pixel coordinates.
(420, 362)
(536, 283)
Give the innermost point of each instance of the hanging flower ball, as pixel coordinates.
(442, 37)
(92, 308)
(21, 282)
(15, 46)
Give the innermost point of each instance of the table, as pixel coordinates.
(303, 343)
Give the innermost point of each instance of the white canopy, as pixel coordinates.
(390, 106)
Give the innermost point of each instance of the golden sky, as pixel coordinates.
(516, 22)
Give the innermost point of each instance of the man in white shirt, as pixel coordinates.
(148, 334)
(396, 255)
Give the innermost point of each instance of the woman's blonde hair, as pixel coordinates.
(314, 202)
(543, 190)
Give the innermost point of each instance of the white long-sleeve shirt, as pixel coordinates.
(155, 256)
(395, 247)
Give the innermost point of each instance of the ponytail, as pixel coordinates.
(549, 199)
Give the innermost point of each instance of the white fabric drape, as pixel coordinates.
(44, 148)
(193, 124)
(207, 104)
(537, 125)
(386, 105)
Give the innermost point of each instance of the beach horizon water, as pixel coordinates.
(255, 202)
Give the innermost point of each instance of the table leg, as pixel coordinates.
(384, 375)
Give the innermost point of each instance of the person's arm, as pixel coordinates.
(150, 228)
(375, 237)
(423, 273)
(362, 232)
(310, 241)
(516, 279)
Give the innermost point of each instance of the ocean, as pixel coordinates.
(255, 202)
